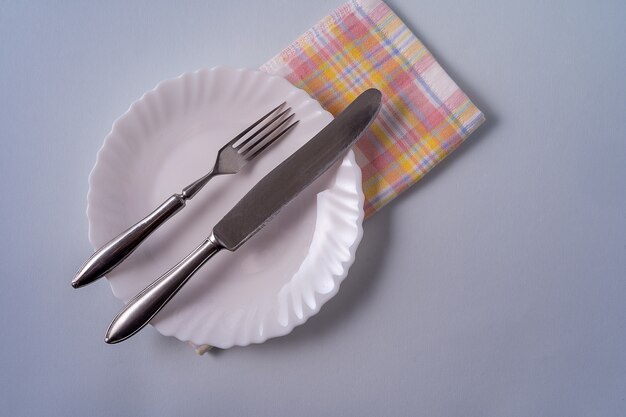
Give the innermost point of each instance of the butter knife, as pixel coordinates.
(253, 211)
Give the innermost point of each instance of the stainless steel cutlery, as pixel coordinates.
(233, 156)
(253, 211)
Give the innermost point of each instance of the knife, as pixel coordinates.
(253, 211)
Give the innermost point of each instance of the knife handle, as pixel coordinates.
(145, 305)
(105, 259)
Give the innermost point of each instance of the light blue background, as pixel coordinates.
(495, 287)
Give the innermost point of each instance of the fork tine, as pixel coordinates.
(243, 144)
(263, 147)
(248, 149)
(255, 124)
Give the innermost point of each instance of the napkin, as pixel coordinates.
(424, 117)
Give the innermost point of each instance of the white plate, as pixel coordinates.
(285, 273)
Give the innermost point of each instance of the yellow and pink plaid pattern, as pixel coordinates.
(425, 116)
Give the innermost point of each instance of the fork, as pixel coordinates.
(230, 159)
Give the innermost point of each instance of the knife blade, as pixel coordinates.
(253, 211)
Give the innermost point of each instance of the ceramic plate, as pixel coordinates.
(279, 278)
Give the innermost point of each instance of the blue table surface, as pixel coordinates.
(494, 287)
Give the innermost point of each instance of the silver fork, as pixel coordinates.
(230, 159)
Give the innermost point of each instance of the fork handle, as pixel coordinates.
(105, 259)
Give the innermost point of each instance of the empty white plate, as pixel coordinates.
(279, 278)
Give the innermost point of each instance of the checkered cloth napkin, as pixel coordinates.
(425, 116)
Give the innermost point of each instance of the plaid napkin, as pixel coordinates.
(425, 116)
